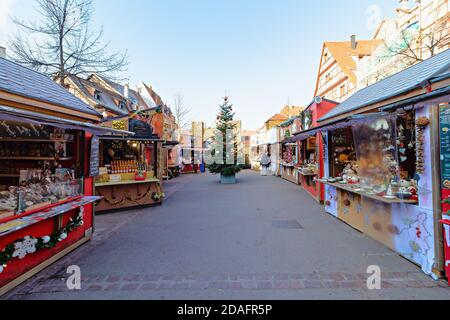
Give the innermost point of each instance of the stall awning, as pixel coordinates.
(137, 139)
(170, 143)
(19, 115)
(348, 122)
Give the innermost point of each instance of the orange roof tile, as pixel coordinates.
(278, 117)
(342, 52)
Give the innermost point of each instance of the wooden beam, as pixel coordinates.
(340, 81)
(43, 107)
(375, 106)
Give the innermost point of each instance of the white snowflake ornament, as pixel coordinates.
(24, 247)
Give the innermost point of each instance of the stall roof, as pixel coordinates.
(19, 115)
(139, 139)
(417, 76)
(19, 80)
(288, 122)
(171, 143)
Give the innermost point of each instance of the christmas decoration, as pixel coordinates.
(225, 141)
(21, 248)
(421, 124)
(157, 196)
(24, 247)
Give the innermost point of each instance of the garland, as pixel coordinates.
(21, 248)
(156, 196)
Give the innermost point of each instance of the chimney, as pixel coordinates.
(126, 91)
(353, 42)
(2, 52)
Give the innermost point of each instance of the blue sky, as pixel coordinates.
(262, 53)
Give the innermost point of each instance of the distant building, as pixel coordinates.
(417, 33)
(337, 76)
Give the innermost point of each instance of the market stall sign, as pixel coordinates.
(140, 128)
(94, 163)
(444, 120)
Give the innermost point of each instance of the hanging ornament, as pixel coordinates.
(1, 269)
(45, 239)
(421, 123)
(63, 236)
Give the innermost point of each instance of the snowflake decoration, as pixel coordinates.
(24, 247)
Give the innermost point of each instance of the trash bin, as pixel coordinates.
(202, 168)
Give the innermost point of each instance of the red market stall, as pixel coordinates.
(47, 160)
(311, 151)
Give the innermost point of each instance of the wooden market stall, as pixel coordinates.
(289, 151)
(289, 161)
(130, 168)
(383, 174)
(46, 185)
(310, 163)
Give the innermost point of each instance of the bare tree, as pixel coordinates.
(62, 43)
(418, 46)
(181, 112)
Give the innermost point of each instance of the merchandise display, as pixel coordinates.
(127, 174)
(379, 160)
(37, 167)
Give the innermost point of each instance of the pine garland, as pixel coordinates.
(48, 242)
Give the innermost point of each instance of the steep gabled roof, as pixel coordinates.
(133, 95)
(107, 97)
(343, 52)
(155, 97)
(278, 117)
(19, 80)
(400, 83)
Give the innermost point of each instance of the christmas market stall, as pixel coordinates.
(130, 168)
(289, 150)
(383, 172)
(46, 186)
(310, 164)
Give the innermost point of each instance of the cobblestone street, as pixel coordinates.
(263, 238)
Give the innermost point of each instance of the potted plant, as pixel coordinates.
(225, 147)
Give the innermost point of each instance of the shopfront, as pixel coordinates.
(130, 168)
(382, 172)
(46, 184)
(311, 147)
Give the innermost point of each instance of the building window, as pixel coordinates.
(122, 105)
(97, 95)
(343, 91)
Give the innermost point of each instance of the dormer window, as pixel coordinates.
(122, 105)
(97, 95)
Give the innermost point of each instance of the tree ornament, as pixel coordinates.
(1, 269)
(63, 236)
(46, 239)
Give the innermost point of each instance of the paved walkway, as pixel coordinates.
(263, 238)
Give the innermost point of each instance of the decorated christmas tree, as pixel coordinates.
(225, 146)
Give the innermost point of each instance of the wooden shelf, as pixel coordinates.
(9, 175)
(347, 187)
(36, 158)
(307, 174)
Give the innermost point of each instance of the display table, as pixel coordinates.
(290, 173)
(351, 188)
(127, 194)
